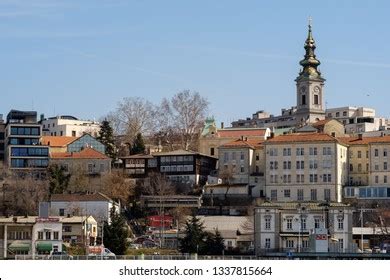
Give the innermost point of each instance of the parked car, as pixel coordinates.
(100, 252)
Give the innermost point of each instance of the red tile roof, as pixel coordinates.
(320, 123)
(364, 140)
(238, 132)
(57, 141)
(302, 137)
(87, 153)
(251, 143)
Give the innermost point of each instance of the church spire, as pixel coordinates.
(310, 62)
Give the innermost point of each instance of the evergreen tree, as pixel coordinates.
(138, 146)
(195, 237)
(115, 234)
(106, 137)
(214, 243)
(58, 179)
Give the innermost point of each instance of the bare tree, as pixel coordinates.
(116, 186)
(133, 115)
(158, 184)
(23, 194)
(79, 180)
(183, 115)
(227, 176)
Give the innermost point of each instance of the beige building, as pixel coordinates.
(297, 227)
(212, 137)
(242, 162)
(80, 230)
(88, 161)
(369, 159)
(305, 167)
(328, 126)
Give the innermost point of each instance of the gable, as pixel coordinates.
(86, 141)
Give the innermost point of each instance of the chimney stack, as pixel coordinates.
(360, 135)
(222, 125)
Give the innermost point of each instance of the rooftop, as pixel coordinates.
(57, 141)
(247, 143)
(364, 140)
(87, 153)
(301, 137)
(238, 132)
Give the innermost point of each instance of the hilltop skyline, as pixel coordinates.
(58, 56)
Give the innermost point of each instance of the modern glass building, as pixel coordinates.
(22, 139)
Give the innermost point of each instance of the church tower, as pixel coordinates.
(310, 85)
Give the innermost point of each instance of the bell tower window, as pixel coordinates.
(316, 99)
(303, 99)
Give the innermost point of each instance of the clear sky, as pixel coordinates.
(81, 57)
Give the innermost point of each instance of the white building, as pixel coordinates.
(357, 119)
(69, 126)
(289, 227)
(47, 236)
(97, 205)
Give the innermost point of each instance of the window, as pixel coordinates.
(300, 164)
(226, 157)
(300, 178)
(300, 194)
(341, 244)
(337, 114)
(376, 152)
(242, 156)
(327, 151)
(289, 243)
(274, 194)
(385, 179)
(287, 152)
(366, 154)
(73, 133)
(242, 169)
(303, 99)
(62, 212)
(385, 152)
(376, 167)
(267, 223)
(90, 167)
(289, 223)
(327, 194)
(344, 113)
(286, 193)
(385, 166)
(359, 154)
(300, 151)
(351, 167)
(40, 235)
(317, 222)
(286, 164)
(267, 243)
(316, 99)
(305, 243)
(313, 164)
(313, 194)
(313, 178)
(340, 223)
(313, 151)
(257, 157)
(67, 228)
(56, 235)
(212, 151)
(376, 179)
(48, 235)
(303, 223)
(359, 167)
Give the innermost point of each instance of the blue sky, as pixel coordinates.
(82, 57)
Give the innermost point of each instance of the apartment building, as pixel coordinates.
(243, 161)
(68, 126)
(305, 167)
(368, 161)
(23, 151)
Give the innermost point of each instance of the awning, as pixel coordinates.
(20, 246)
(44, 247)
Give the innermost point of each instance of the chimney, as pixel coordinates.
(222, 125)
(242, 137)
(246, 138)
(272, 135)
(360, 136)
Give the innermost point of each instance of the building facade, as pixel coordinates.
(23, 151)
(69, 126)
(295, 227)
(305, 167)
